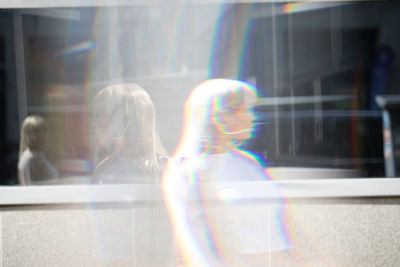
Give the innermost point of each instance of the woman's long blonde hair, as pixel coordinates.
(32, 130)
(129, 118)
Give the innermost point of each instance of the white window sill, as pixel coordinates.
(249, 191)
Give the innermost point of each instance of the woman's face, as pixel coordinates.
(109, 118)
(238, 124)
(108, 130)
(38, 138)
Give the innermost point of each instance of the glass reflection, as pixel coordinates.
(33, 166)
(318, 67)
(125, 130)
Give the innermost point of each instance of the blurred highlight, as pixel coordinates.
(202, 185)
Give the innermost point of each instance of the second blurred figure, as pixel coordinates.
(124, 126)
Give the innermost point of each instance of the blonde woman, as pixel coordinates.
(218, 120)
(33, 166)
(124, 124)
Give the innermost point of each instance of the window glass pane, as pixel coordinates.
(317, 66)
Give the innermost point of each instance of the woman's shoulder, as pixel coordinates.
(115, 169)
(26, 158)
(118, 169)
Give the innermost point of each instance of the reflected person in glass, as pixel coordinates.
(33, 166)
(225, 231)
(124, 127)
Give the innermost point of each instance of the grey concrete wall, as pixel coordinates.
(352, 232)
(336, 232)
(85, 236)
